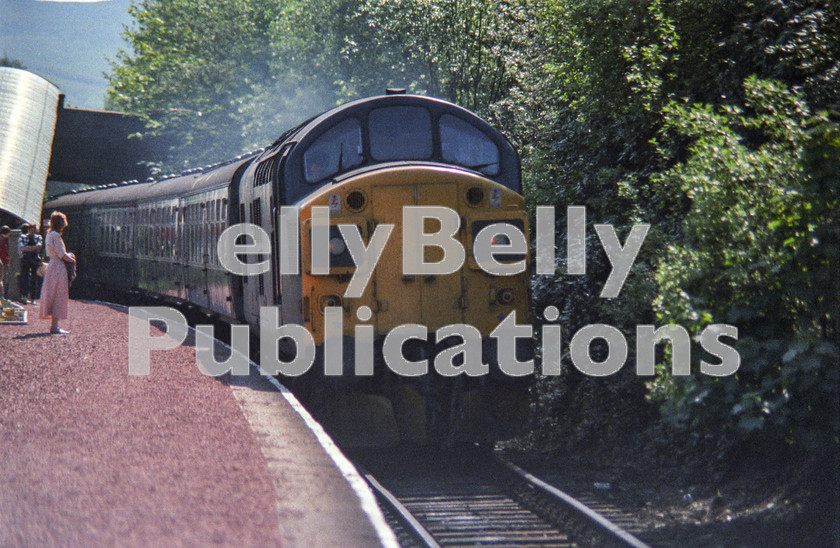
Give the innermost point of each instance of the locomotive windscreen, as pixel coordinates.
(400, 133)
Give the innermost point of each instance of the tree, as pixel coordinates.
(774, 200)
(7, 61)
(464, 51)
(191, 67)
(602, 133)
(222, 77)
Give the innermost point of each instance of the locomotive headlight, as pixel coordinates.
(500, 246)
(339, 253)
(337, 246)
(500, 239)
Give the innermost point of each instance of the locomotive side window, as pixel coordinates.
(465, 145)
(400, 133)
(335, 151)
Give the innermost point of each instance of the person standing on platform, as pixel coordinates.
(5, 260)
(29, 246)
(24, 231)
(55, 292)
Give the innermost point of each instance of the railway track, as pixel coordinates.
(470, 498)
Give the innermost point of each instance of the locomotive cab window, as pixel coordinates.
(400, 133)
(335, 151)
(465, 145)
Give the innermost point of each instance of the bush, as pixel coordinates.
(760, 252)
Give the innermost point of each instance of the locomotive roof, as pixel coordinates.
(369, 103)
(303, 136)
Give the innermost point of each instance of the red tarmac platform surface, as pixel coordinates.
(91, 456)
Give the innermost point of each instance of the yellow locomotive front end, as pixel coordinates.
(416, 319)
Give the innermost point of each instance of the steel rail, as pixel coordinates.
(404, 515)
(614, 533)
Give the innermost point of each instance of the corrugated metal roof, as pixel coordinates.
(28, 106)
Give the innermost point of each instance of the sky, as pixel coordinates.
(69, 43)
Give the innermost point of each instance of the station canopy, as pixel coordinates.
(28, 106)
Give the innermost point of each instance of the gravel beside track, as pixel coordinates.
(90, 456)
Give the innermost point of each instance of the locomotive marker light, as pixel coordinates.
(500, 238)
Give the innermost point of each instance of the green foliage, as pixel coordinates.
(681, 114)
(189, 68)
(220, 78)
(7, 61)
(463, 51)
(760, 252)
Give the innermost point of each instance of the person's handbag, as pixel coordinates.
(42, 269)
(71, 272)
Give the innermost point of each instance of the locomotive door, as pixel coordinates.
(255, 289)
(438, 299)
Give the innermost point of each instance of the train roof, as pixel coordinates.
(133, 192)
(298, 141)
(369, 103)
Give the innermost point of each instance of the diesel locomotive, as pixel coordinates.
(365, 161)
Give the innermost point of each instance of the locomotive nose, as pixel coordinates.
(407, 208)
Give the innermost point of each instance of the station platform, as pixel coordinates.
(92, 456)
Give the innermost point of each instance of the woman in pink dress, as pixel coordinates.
(56, 287)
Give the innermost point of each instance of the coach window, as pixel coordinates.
(188, 234)
(103, 242)
(400, 133)
(195, 244)
(110, 243)
(464, 144)
(120, 232)
(158, 241)
(145, 235)
(335, 151)
(103, 233)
